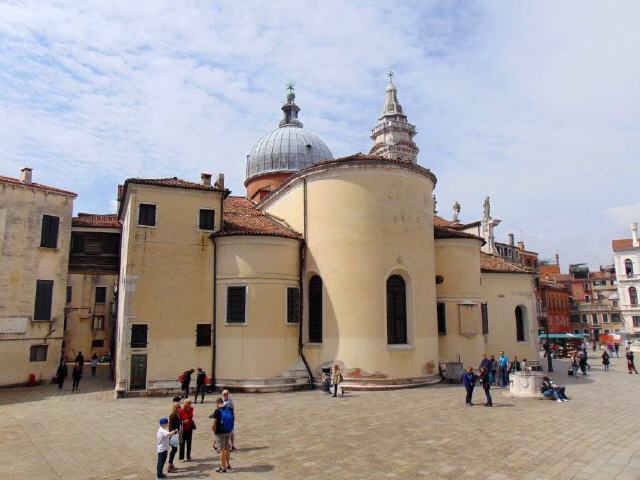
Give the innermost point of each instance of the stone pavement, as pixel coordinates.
(410, 434)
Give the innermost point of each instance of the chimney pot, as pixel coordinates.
(206, 178)
(634, 235)
(521, 245)
(511, 240)
(25, 175)
(220, 181)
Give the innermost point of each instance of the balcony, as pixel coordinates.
(628, 278)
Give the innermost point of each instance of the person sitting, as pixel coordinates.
(551, 390)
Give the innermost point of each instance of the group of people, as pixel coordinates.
(76, 373)
(202, 382)
(492, 371)
(175, 433)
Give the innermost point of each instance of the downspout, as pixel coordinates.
(214, 316)
(303, 248)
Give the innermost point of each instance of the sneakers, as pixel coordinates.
(558, 400)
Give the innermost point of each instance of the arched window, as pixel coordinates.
(633, 296)
(520, 325)
(628, 267)
(396, 310)
(315, 309)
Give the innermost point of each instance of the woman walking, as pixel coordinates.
(630, 364)
(486, 386)
(175, 422)
(94, 364)
(61, 374)
(76, 374)
(605, 360)
(188, 426)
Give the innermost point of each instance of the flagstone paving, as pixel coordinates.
(425, 433)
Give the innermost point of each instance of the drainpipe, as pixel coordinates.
(303, 248)
(213, 320)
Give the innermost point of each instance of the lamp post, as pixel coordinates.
(549, 359)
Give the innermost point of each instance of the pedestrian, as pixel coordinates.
(76, 375)
(80, 359)
(630, 363)
(582, 362)
(493, 368)
(574, 364)
(94, 364)
(605, 360)
(503, 370)
(188, 426)
(486, 386)
(222, 425)
(484, 363)
(162, 445)
(516, 365)
(616, 347)
(61, 374)
(229, 403)
(551, 390)
(175, 423)
(469, 380)
(185, 381)
(336, 380)
(594, 346)
(201, 385)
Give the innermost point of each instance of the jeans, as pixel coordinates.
(93, 371)
(162, 457)
(606, 367)
(554, 393)
(504, 376)
(172, 455)
(488, 395)
(200, 390)
(469, 394)
(335, 389)
(186, 442)
(76, 383)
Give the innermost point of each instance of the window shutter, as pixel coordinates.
(38, 353)
(485, 319)
(49, 234)
(236, 297)
(203, 335)
(442, 319)
(293, 305)
(147, 215)
(44, 297)
(206, 219)
(101, 294)
(315, 310)
(139, 335)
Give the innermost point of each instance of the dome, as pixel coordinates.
(288, 148)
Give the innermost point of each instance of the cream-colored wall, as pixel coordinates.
(503, 292)
(266, 345)
(166, 281)
(80, 334)
(23, 263)
(458, 263)
(364, 224)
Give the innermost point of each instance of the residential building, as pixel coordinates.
(35, 234)
(626, 254)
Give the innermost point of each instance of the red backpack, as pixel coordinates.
(181, 378)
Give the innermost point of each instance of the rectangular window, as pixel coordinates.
(236, 298)
(38, 353)
(293, 305)
(615, 318)
(594, 318)
(587, 298)
(147, 215)
(206, 219)
(605, 318)
(139, 335)
(110, 244)
(77, 243)
(584, 319)
(98, 322)
(203, 335)
(575, 318)
(442, 319)
(69, 293)
(49, 234)
(101, 294)
(97, 343)
(44, 297)
(636, 320)
(485, 319)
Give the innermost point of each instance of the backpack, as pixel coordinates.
(206, 380)
(181, 378)
(226, 419)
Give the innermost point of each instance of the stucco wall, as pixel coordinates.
(458, 263)
(266, 345)
(365, 223)
(23, 263)
(503, 292)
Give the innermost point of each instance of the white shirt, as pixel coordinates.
(162, 440)
(229, 402)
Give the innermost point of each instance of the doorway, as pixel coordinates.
(138, 379)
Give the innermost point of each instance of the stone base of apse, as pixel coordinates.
(380, 384)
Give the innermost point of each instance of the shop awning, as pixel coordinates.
(563, 336)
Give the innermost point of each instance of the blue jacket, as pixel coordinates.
(469, 379)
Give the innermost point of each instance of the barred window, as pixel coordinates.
(293, 305)
(236, 303)
(38, 353)
(98, 322)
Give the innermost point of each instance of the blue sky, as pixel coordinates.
(533, 103)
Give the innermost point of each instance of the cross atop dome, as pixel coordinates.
(390, 74)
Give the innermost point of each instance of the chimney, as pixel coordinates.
(26, 177)
(520, 245)
(206, 179)
(511, 240)
(220, 181)
(557, 259)
(634, 235)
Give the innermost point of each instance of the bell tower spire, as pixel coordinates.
(393, 136)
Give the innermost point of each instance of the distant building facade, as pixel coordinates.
(626, 254)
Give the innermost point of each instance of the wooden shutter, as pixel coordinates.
(139, 335)
(49, 234)
(206, 219)
(147, 214)
(293, 305)
(442, 319)
(315, 310)
(485, 319)
(44, 297)
(203, 334)
(396, 311)
(236, 297)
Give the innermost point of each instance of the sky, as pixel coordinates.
(535, 104)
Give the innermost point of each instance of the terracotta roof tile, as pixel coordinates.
(622, 244)
(441, 222)
(496, 264)
(35, 186)
(443, 232)
(241, 217)
(96, 220)
(173, 182)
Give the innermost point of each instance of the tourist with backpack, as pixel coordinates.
(222, 427)
(606, 360)
(185, 380)
(201, 385)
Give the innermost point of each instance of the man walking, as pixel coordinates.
(201, 385)
(185, 382)
(61, 374)
(469, 380)
(486, 386)
(616, 347)
(222, 427)
(80, 359)
(503, 367)
(630, 362)
(76, 374)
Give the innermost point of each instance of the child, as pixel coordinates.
(162, 445)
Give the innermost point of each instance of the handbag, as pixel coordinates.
(174, 441)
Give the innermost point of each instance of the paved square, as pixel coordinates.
(423, 433)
